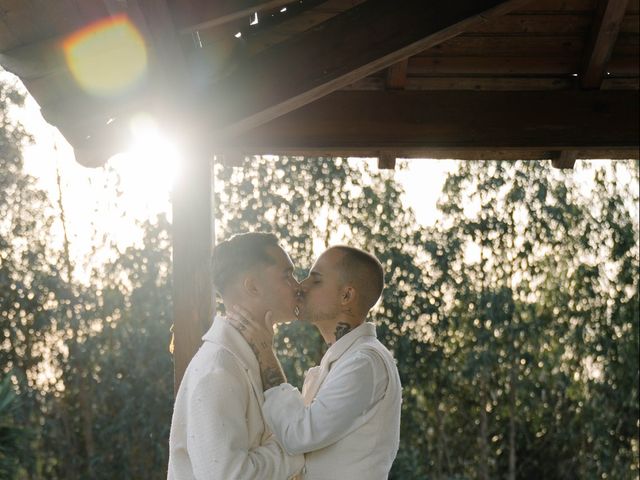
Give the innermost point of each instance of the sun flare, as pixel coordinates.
(150, 167)
(106, 57)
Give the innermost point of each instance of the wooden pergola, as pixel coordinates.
(463, 79)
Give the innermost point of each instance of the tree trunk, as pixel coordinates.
(84, 396)
(443, 449)
(512, 422)
(483, 470)
(87, 425)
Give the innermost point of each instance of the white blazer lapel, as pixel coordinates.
(311, 385)
(316, 375)
(256, 384)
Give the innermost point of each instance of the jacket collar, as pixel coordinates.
(366, 329)
(222, 333)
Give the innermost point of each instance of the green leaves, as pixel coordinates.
(14, 438)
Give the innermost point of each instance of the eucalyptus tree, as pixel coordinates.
(526, 298)
(28, 282)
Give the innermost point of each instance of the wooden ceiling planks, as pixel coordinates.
(262, 39)
(560, 24)
(348, 47)
(26, 22)
(195, 15)
(396, 77)
(554, 6)
(508, 46)
(492, 66)
(467, 83)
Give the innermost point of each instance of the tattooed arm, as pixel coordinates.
(270, 370)
(259, 336)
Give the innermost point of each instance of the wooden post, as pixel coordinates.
(192, 193)
(193, 228)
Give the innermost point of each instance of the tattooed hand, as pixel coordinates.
(256, 333)
(259, 336)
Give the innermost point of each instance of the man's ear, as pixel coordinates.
(348, 295)
(250, 286)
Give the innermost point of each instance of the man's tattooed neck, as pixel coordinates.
(341, 330)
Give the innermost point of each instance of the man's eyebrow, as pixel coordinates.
(317, 274)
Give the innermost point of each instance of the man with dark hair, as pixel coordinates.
(347, 419)
(218, 429)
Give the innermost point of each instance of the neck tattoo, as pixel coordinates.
(341, 330)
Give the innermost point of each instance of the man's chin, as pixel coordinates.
(302, 318)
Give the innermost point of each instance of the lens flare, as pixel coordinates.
(107, 57)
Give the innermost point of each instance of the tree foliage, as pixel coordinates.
(514, 320)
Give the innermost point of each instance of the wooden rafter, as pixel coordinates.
(347, 47)
(397, 75)
(409, 124)
(386, 161)
(565, 161)
(604, 33)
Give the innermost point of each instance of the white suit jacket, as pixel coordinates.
(218, 430)
(360, 440)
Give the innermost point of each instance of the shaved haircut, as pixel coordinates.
(364, 271)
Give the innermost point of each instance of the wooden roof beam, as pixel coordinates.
(606, 25)
(354, 44)
(409, 123)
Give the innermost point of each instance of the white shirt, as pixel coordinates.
(218, 430)
(345, 396)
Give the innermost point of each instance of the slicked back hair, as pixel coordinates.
(364, 270)
(238, 255)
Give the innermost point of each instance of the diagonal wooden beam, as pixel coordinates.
(362, 40)
(606, 25)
